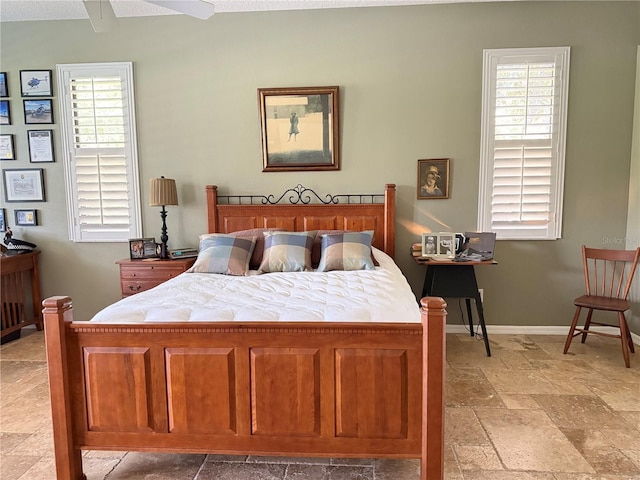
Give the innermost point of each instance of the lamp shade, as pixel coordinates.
(162, 191)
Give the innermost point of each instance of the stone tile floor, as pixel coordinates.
(526, 413)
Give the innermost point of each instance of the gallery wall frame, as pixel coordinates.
(3, 221)
(7, 147)
(4, 85)
(433, 178)
(5, 112)
(300, 128)
(23, 184)
(26, 218)
(36, 83)
(40, 146)
(38, 111)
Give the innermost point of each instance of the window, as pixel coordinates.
(100, 151)
(524, 116)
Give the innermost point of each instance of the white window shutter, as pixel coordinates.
(101, 166)
(525, 95)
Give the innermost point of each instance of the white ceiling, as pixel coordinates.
(24, 10)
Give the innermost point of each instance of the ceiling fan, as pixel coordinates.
(103, 18)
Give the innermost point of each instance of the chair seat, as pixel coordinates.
(602, 303)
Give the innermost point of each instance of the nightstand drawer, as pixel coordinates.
(137, 276)
(133, 287)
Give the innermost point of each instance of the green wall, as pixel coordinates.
(410, 81)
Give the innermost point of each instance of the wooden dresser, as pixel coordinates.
(21, 298)
(139, 275)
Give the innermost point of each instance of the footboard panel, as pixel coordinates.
(306, 389)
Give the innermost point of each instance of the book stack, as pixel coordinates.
(416, 249)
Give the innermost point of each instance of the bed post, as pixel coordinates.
(434, 319)
(57, 311)
(212, 209)
(390, 219)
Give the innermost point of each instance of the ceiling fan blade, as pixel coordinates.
(194, 8)
(100, 14)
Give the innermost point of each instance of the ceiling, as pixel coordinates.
(25, 10)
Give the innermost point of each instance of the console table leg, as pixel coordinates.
(482, 324)
(469, 315)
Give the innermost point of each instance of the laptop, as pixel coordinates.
(479, 245)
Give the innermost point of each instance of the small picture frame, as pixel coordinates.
(40, 146)
(26, 218)
(3, 222)
(4, 86)
(38, 111)
(141, 248)
(23, 184)
(439, 245)
(7, 151)
(5, 112)
(36, 83)
(299, 128)
(433, 179)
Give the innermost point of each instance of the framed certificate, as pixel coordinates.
(6, 147)
(40, 146)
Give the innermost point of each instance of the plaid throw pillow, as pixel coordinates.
(346, 251)
(225, 254)
(286, 252)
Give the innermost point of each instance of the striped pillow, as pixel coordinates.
(286, 252)
(346, 251)
(225, 254)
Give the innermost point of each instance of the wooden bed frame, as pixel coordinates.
(259, 388)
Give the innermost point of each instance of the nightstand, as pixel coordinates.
(139, 275)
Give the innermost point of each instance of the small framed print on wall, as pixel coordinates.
(26, 218)
(4, 87)
(3, 222)
(38, 111)
(7, 151)
(433, 179)
(23, 184)
(5, 113)
(36, 83)
(40, 146)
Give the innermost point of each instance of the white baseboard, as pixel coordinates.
(533, 330)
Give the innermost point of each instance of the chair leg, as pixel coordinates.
(572, 329)
(587, 324)
(624, 337)
(629, 338)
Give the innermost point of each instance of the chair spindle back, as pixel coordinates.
(609, 272)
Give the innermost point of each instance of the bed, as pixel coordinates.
(294, 387)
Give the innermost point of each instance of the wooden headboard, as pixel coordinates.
(358, 212)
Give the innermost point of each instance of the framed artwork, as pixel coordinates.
(36, 83)
(3, 223)
(23, 184)
(141, 248)
(5, 113)
(300, 128)
(433, 178)
(38, 111)
(441, 245)
(4, 86)
(26, 218)
(7, 151)
(40, 146)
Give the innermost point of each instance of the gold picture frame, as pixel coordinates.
(433, 179)
(300, 128)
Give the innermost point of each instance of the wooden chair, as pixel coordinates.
(608, 275)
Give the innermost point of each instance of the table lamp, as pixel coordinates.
(162, 192)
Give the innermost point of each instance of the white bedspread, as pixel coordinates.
(380, 295)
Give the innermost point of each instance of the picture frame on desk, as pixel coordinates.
(141, 248)
(438, 245)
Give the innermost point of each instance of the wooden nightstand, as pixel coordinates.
(139, 275)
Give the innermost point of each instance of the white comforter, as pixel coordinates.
(380, 295)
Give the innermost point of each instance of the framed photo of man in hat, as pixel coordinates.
(433, 178)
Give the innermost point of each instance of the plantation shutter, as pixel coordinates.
(523, 135)
(99, 134)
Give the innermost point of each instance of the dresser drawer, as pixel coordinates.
(161, 273)
(132, 287)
